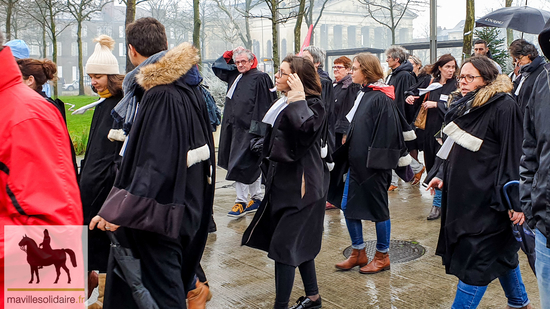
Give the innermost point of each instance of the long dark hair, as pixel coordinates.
(306, 72)
(443, 60)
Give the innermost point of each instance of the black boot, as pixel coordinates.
(305, 303)
(435, 213)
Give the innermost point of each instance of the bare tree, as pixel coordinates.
(389, 13)
(11, 7)
(468, 29)
(130, 17)
(48, 13)
(298, 26)
(196, 25)
(82, 10)
(509, 32)
(309, 15)
(233, 8)
(277, 15)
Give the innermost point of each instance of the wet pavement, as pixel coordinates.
(241, 277)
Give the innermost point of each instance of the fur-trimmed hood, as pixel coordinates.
(176, 63)
(501, 84)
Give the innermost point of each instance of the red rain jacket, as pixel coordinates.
(37, 177)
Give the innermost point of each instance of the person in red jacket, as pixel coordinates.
(37, 178)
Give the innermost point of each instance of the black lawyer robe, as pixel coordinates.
(251, 100)
(97, 175)
(289, 223)
(531, 71)
(434, 117)
(375, 145)
(327, 96)
(163, 193)
(402, 78)
(476, 241)
(345, 92)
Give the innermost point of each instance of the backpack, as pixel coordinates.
(214, 112)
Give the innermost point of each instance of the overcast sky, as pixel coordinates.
(451, 12)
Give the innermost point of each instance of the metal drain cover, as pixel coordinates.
(401, 251)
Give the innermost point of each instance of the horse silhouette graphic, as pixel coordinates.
(38, 257)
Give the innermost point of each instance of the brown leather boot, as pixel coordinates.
(197, 298)
(357, 258)
(380, 262)
(101, 289)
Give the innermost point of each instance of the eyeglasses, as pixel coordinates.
(280, 74)
(242, 62)
(338, 67)
(467, 78)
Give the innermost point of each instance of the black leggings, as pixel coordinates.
(284, 281)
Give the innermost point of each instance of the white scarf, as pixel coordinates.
(233, 86)
(275, 110)
(353, 110)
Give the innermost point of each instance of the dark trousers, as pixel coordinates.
(162, 264)
(284, 281)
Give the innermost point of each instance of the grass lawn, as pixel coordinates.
(79, 125)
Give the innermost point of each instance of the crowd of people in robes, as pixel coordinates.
(146, 182)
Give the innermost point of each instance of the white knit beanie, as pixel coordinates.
(102, 61)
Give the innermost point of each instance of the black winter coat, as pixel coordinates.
(97, 175)
(535, 162)
(345, 92)
(375, 145)
(476, 241)
(327, 96)
(528, 74)
(251, 100)
(402, 78)
(289, 223)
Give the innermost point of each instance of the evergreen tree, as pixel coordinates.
(496, 45)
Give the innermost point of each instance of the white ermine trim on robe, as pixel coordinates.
(116, 135)
(198, 155)
(462, 137)
(275, 110)
(233, 86)
(324, 150)
(330, 166)
(409, 135)
(353, 110)
(404, 161)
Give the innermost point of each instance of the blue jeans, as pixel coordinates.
(542, 267)
(437, 198)
(355, 228)
(469, 296)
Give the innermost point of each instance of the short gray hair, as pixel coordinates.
(397, 52)
(241, 50)
(318, 54)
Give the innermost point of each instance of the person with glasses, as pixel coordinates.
(374, 146)
(248, 99)
(434, 103)
(527, 57)
(345, 91)
(480, 155)
(289, 223)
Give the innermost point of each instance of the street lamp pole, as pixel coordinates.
(433, 31)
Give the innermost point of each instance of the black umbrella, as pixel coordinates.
(520, 18)
(523, 233)
(129, 269)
